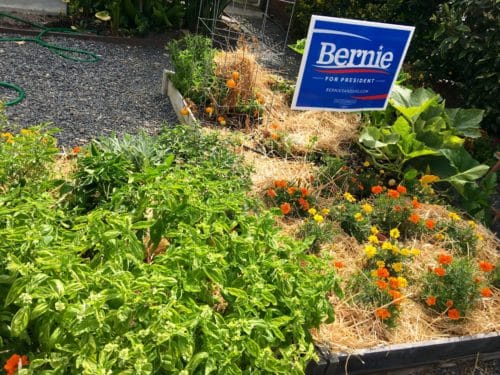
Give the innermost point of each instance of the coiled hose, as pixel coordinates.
(64, 52)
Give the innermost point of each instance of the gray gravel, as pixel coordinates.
(120, 94)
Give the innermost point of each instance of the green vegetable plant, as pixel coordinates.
(417, 134)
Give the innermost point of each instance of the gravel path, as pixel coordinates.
(119, 94)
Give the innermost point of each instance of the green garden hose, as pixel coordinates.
(64, 52)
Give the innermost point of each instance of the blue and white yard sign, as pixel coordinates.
(350, 65)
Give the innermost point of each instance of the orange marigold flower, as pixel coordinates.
(291, 190)
(428, 179)
(440, 271)
(394, 282)
(274, 126)
(382, 272)
(449, 303)
(209, 110)
(396, 296)
(231, 83)
(401, 189)
(444, 258)
(414, 218)
(486, 292)
(393, 193)
(382, 313)
(303, 204)
(275, 136)
(304, 192)
(285, 208)
(430, 224)
(184, 111)
(381, 284)
(280, 183)
(235, 75)
(12, 363)
(430, 301)
(76, 149)
(415, 203)
(486, 266)
(271, 193)
(377, 189)
(339, 264)
(453, 314)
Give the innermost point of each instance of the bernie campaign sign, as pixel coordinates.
(350, 65)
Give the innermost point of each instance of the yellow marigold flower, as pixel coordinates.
(318, 218)
(6, 135)
(358, 216)
(9, 140)
(366, 164)
(386, 245)
(428, 179)
(472, 223)
(374, 273)
(398, 267)
(374, 230)
(25, 132)
(405, 252)
(373, 239)
(325, 211)
(312, 211)
(415, 252)
(454, 216)
(403, 283)
(348, 196)
(439, 236)
(368, 208)
(380, 264)
(395, 250)
(479, 236)
(370, 251)
(394, 233)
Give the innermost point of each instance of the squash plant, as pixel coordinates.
(418, 134)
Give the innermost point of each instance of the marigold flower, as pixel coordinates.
(285, 208)
(393, 193)
(396, 296)
(430, 301)
(368, 208)
(291, 190)
(382, 313)
(430, 224)
(370, 251)
(12, 364)
(428, 179)
(440, 271)
(373, 239)
(403, 283)
(449, 303)
(184, 111)
(472, 223)
(454, 216)
(453, 314)
(235, 75)
(486, 266)
(415, 203)
(415, 252)
(366, 163)
(303, 204)
(381, 284)
(439, 236)
(394, 282)
(221, 120)
(401, 189)
(486, 292)
(280, 183)
(479, 236)
(318, 218)
(395, 250)
(271, 193)
(348, 196)
(231, 83)
(444, 258)
(382, 272)
(394, 233)
(325, 211)
(209, 110)
(386, 245)
(414, 218)
(377, 189)
(304, 192)
(339, 264)
(274, 126)
(380, 263)
(374, 230)
(312, 211)
(76, 150)
(6, 135)
(397, 267)
(358, 216)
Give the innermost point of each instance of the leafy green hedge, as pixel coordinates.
(172, 269)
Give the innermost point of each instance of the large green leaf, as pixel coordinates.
(466, 121)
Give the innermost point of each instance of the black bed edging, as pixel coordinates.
(396, 357)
